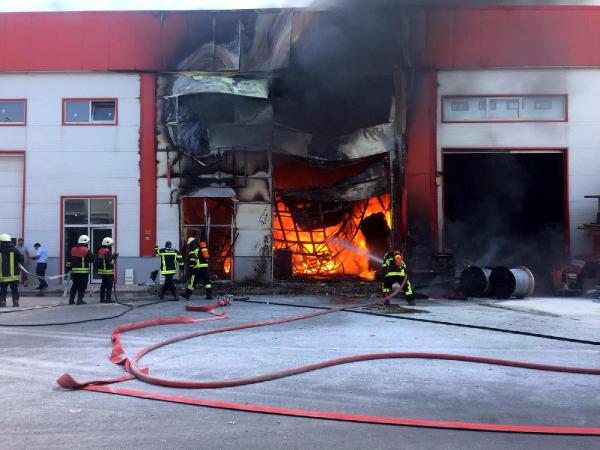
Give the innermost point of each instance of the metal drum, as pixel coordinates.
(516, 282)
(475, 281)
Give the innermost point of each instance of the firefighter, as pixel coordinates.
(197, 268)
(106, 268)
(79, 264)
(170, 260)
(394, 271)
(10, 258)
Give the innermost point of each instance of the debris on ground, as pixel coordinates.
(393, 309)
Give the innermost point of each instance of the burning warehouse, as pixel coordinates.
(281, 137)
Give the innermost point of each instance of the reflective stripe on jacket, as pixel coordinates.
(106, 261)
(198, 257)
(80, 259)
(10, 258)
(390, 268)
(170, 259)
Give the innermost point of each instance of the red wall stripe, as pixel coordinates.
(511, 36)
(147, 164)
(421, 154)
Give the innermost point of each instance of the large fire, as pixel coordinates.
(313, 253)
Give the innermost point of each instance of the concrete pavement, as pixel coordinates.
(39, 415)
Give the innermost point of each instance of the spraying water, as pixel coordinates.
(353, 248)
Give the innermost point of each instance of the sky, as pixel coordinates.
(103, 5)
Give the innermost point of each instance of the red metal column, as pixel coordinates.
(147, 164)
(420, 168)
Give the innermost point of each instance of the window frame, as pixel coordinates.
(91, 122)
(16, 124)
(89, 224)
(488, 97)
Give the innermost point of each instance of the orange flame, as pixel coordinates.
(314, 255)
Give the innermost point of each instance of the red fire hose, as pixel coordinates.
(135, 372)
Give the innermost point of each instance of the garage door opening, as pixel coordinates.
(506, 208)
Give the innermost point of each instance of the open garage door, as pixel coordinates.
(12, 168)
(506, 208)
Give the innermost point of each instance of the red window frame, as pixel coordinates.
(22, 154)
(15, 124)
(444, 97)
(90, 124)
(61, 229)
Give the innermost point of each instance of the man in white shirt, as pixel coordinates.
(41, 258)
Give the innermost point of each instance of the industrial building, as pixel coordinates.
(276, 134)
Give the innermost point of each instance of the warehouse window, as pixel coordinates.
(13, 112)
(92, 216)
(522, 108)
(89, 111)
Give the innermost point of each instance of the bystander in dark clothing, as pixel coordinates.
(24, 251)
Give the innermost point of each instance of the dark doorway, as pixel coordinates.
(506, 208)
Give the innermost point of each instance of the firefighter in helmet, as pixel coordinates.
(106, 269)
(170, 261)
(197, 268)
(394, 271)
(78, 263)
(10, 258)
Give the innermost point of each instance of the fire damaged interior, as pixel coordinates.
(279, 137)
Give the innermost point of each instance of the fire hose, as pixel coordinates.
(134, 370)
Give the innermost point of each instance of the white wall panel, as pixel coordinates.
(502, 135)
(11, 194)
(13, 138)
(583, 135)
(76, 160)
(580, 135)
(583, 108)
(584, 161)
(167, 226)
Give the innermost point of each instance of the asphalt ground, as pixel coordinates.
(38, 414)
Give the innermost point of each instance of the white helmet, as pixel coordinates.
(83, 239)
(107, 241)
(190, 240)
(4, 237)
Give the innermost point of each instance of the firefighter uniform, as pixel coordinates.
(78, 263)
(10, 258)
(106, 269)
(170, 260)
(197, 268)
(394, 271)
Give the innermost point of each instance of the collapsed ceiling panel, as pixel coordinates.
(370, 182)
(220, 84)
(367, 142)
